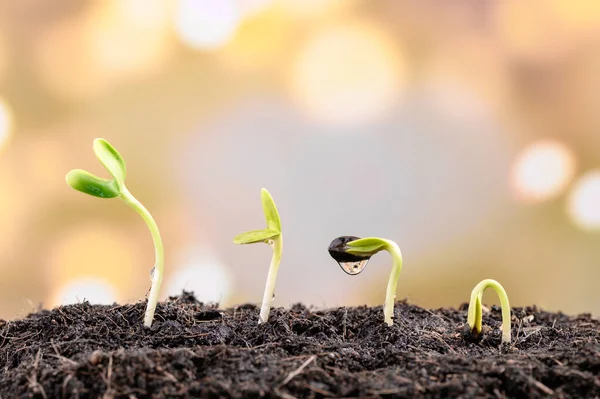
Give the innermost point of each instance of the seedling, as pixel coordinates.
(272, 236)
(353, 254)
(474, 314)
(96, 186)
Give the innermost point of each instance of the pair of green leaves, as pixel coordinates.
(88, 183)
(273, 229)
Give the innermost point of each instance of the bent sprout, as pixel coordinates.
(272, 236)
(88, 183)
(474, 315)
(353, 253)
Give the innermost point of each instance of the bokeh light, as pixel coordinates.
(250, 8)
(204, 275)
(15, 208)
(92, 289)
(6, 122)
(305, 9)
(579, 16)
(584, 201)
(46, 161)
(254, 46)
(98, 250)
(349, 73)
(526, 28)
(542, 171)
(106, 42)
(65, 63)
(4, 54)
(207, 24)
(117, 27)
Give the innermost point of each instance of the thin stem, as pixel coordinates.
(474, 315)
(265, 308)
(390, 296)
(157, 275)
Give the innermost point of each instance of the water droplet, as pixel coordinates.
(152, 273)
(273, 297)
(351, 264)
(353, 268)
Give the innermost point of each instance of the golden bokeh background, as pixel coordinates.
(466, 131)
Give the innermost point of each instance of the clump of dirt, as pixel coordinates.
(197, 350)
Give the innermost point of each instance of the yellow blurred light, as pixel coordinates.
(348, 74)
(525, 27)
(205, 276)
(97, 250)
(3, 54)
(130, 37)
(110, 40)
(584, 201)
(6, 122)
(207, 24)
(93, 289)
(46, 160)
(250, 8)
(542, 171)
(16, 208)
(255, 46)
(65, 63)
(580, 15)
(313, 8)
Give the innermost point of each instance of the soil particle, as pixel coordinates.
(197, 350)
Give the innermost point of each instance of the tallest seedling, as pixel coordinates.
(272, 236)
(98, 187)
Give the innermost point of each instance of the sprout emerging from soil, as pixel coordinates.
(474, 314)
(96, 186)
(353, 253)
(272, 236)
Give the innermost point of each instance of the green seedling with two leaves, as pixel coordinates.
(88, 183)
(272, 236)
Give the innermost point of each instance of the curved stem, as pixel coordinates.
(390, 295)
(265, 307)
(474, 314)
(157, 275)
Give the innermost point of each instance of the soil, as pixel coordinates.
(194, 350)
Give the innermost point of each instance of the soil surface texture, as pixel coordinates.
(194, 350)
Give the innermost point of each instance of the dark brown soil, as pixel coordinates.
(86, 351)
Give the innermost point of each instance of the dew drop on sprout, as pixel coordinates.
(354, 267)
(152, 273)
(351, 264)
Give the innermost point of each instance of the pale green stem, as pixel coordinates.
(390, 295)
(157, 276)
(474, 314)
(265, 308)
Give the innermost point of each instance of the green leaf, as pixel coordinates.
(251, 237)
(111, 159)
(270, 211)
(366, 246)
(87, 183)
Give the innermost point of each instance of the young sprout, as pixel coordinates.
(272, 236)
(96, 186)
(474, 314)
(353, 253)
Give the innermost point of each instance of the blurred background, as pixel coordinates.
(468, 131)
